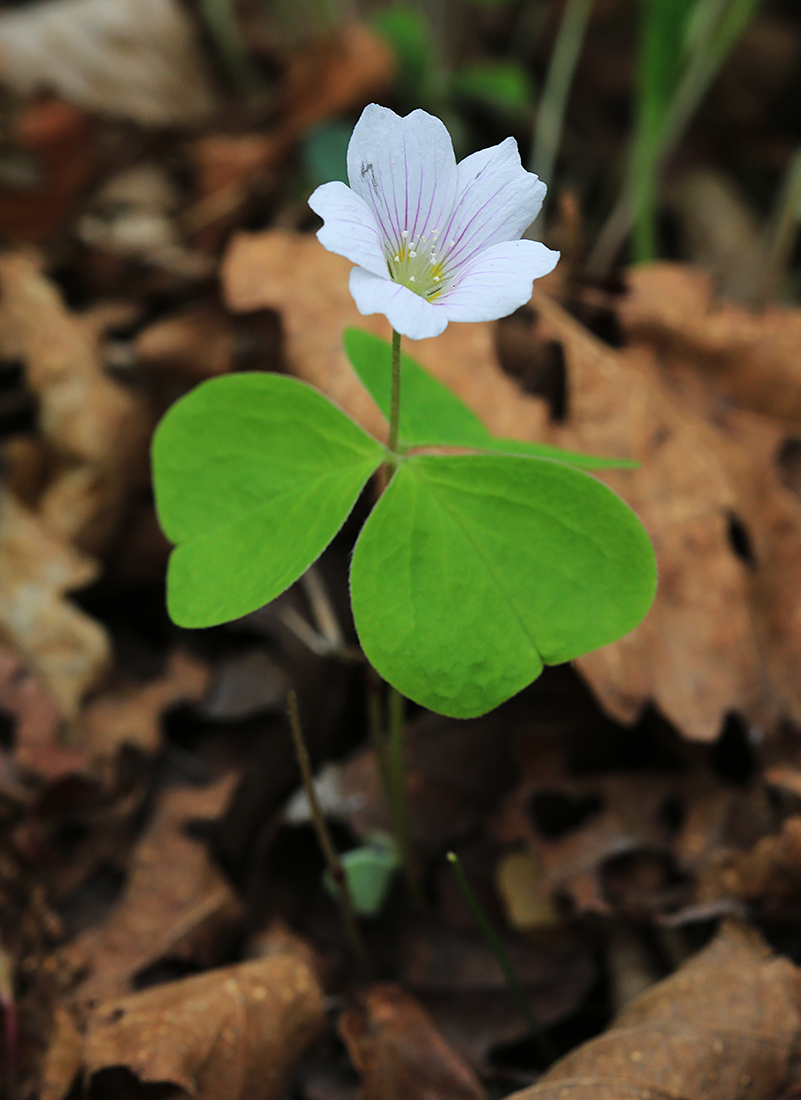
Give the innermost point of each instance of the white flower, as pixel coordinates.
(434, 241)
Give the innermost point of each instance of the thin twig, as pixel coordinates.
(335, 868)
(398, 796)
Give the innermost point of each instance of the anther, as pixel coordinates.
(412, 279)
(412, 253)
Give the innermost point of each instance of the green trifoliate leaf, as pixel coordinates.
(433, 416)
(254, 474)
(473, 571)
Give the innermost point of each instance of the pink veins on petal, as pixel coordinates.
(433, 241)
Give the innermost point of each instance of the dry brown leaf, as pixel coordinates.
(130, 714)
(67, 651)
(725, 631)
(96, 429)
(619, 844)
(63, 1058)
(753, 356)
(196, 343)
(175, 904)
(395, 1046)
(139, 59)
(234, 1033)
(61, 142)
(23, 698)
(455, 975)
(723, 1027)
(769, 874)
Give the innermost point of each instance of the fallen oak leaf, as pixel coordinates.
(723, 1027)
(176, 902)
(397, 1049)
(96, 429)
(22, 697)
(236, 1032)
(69, 652)
(131, 714)
(752, 356)
(725, 630)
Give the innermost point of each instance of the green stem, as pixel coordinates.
(551, 109)
(394, 408)
(395, 760)
(702, 67)
(335, 868)
(499, 951)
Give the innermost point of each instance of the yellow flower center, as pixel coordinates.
(417, 264)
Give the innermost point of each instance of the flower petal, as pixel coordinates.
(350, 227)
(407, 312)
(497, 281)
(404, 169)
(497, 200)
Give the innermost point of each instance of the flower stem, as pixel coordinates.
(395, 777)
(394, 408)
(499, 951)
(335, 868)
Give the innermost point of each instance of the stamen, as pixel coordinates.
(405, 233)
(412, 279)
(397, 259)
(413, 254)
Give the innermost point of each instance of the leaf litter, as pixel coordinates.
(608, 818)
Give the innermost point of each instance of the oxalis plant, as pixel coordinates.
(484, 559)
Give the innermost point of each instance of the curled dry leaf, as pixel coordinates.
(63, 647)
(235, 1033)
(130, 714)
(395, 1046)
(723, 1027)
(175, 904)
(138, 59)
(95, 428)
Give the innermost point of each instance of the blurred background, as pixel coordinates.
(663, 127)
